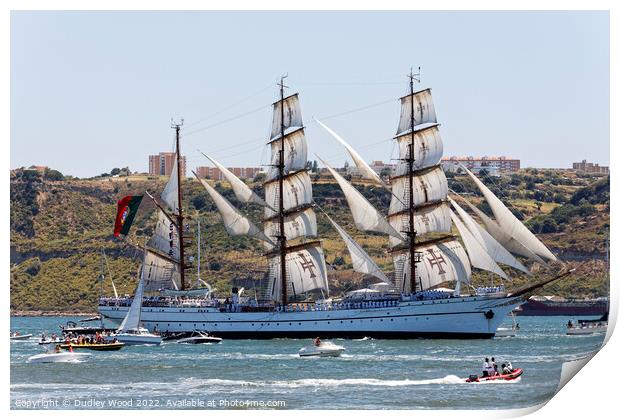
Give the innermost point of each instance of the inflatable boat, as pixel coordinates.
(506, 377)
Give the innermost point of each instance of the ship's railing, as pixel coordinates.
(252, 307)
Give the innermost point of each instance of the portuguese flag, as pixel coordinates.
(125, 213)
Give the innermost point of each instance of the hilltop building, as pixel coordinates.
(493, 165)
(215, 174)
(162, 164)
(591, 168)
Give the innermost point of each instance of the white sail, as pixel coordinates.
(439, 263)
(477, 254)
(170, 195)
(306, 272)
(364, 169)
(434, 218)
(297, 193)
(159, 272)
(296, 225)
(429, 186)
(424, 111)
(243, 193)
(365, 215)
(427, 149)
(132, 319)
(292, 116)
(510, 224)
(362, 263)
(165, 238)
(235, 223)
(507, 241)
(491, 246)
(295, 154)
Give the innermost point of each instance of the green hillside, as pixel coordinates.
(60, 227)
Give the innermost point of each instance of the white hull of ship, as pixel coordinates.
(466, 317)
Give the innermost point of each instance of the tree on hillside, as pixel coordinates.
(53, 175)
(115, 171)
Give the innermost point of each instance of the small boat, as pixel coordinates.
(130, 332)
(138, 336)
(588, 326)
(94, 346)
(18, 336)
(508, 331)
(324, 349)
(83, 329)
(200, 337)
(505, 377)
(63, 356)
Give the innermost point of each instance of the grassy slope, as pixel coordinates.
(71, 221)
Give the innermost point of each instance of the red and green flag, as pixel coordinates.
(125, 213)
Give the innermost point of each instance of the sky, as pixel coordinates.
(95, 90)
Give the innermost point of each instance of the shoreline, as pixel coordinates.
(52, 313)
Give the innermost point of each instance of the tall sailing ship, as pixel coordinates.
(296, 302)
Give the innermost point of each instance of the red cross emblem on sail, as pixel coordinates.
(295, 190)
(307, 264)
(437, 260)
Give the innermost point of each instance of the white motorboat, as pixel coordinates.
(200, 337)
(63, 356)
(505, 332)
(18, 336)
(588, 327)
(324, 349)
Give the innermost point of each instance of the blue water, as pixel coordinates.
(371, 374)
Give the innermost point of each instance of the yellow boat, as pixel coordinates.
(99, 347)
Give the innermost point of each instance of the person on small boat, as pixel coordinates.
(70, 348)
(317, 342)
(570, 324)
(509, 367)
(57, 349)
(486, 368)
(505, 370)
(494, 366)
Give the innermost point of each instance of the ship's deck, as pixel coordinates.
(382, 301)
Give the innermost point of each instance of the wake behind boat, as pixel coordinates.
(60, 356)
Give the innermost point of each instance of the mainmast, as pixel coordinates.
(179, 215)
(282, 235)
(413, 260)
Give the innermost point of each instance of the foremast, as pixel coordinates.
(410, 162)
(281, 234)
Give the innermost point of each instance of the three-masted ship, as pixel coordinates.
(296, 301)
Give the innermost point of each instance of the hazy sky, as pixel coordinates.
(95, 90)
